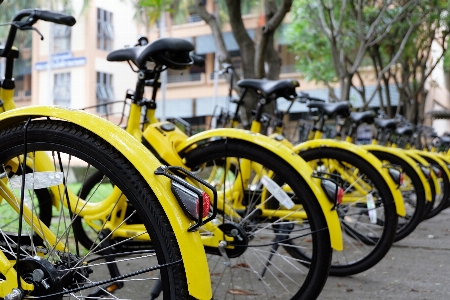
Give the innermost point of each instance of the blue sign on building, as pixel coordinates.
(61, 60)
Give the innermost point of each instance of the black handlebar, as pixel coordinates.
(33, 16)
(53, 17)
(197, 60)
(303, 97)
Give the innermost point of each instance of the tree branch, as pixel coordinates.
(244, 41)
(394, 59)
(278, 16)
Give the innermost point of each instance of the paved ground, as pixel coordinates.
(417, 267)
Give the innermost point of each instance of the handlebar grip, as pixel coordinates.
(306, 96)
(316, 99)
(198, 60)
(53, 17)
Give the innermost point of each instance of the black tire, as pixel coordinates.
(430, 204)
(366, 241)
(413, 195)
(286, 277)
(440, 202)
(66, 141)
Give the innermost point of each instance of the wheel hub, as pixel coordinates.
(48, 278)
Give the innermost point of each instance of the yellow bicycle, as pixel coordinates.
(44, 152)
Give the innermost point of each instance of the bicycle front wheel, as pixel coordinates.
(367, 212)
(256, 265)
(440, 201)
(53, 261)
(413, 193)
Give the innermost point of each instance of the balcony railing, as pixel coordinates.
(194, 18)
(284, 69)
(237, 71)
(288, 69)
(184, 78)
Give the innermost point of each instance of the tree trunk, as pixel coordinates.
(345, 87)
(388, 97)
(211, 20)
(373, 53)
(252, 58)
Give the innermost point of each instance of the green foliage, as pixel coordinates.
(154, 8)
(307, 41)
(433, 27)
(184, 9)
(9, 9)
(447, 60)
(325, 57)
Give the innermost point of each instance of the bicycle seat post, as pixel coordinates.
(256, 123)
(235, 117)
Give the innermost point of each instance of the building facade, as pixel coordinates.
(69, 67)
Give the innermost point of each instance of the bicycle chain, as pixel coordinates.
(109, 280)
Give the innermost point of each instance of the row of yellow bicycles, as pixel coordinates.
(92, 210)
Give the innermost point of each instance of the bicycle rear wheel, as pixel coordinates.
(258, 267)
(73, 271)
(367, 213)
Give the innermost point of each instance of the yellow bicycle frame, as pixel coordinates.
(190, 243)
(402, 155)
(414, 155)
(441, 160)
(406, 156)
(369, 157)
(317, 142)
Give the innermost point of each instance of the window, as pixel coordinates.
(105, 92)
(61, 38)
(61, 89)
(105, 32)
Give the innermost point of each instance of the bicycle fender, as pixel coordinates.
(191, 247)
(419, 159)
(402, 155)
(280, 138)
(442, 161)
(445, 158)
(367, 156)
(290, 157)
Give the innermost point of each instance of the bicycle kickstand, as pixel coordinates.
(281, 234)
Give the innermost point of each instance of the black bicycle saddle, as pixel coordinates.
(170, 52)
